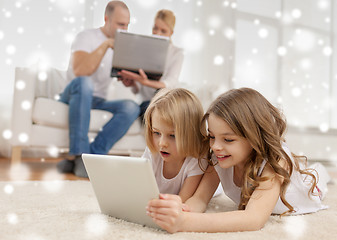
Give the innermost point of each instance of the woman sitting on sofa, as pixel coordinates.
(146, 88)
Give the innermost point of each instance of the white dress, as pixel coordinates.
(173, 186)
(296, 194)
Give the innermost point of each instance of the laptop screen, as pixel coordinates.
(135, 51)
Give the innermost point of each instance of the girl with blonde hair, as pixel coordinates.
(174, 141)
(250, 158)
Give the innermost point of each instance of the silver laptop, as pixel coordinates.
(122, 185)
(134, 51)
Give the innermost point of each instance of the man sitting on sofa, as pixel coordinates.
(89, 77)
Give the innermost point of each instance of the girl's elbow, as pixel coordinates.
(253, 222)
(257, 224)
(251, 227)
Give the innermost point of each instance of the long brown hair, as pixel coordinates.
(252, 116)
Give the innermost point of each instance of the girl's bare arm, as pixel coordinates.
(167, 213)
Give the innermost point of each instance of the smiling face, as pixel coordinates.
(229, 148)
(163, 137)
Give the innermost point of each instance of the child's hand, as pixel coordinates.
(167, 212)
(186, 208)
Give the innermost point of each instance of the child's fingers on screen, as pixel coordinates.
(154, 203)
(164, 211)
(170, 197)
(158, 203)
(159, 216)
(166, 204)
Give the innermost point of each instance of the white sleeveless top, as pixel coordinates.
(296, 194)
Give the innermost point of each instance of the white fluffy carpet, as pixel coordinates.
(48, 210)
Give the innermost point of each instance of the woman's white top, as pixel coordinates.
(296, 193)
(170, 77)
(88, 41)
(189, 168)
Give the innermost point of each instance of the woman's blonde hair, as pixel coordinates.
(167, 16)
(252, 116)
(181, 109)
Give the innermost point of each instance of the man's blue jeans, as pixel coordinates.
(79, 96)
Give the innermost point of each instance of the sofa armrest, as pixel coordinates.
(23, 100)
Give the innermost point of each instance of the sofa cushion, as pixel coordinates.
(48, 112)
(52, 113)
(57, 137)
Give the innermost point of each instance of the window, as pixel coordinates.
(284, 49)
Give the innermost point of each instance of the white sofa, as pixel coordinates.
(39, 120)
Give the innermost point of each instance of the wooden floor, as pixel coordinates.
(33, 170)
(45, 170)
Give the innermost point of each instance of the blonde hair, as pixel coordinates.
(110, 7)
(252, 116)
(167, 16)
(181, 109)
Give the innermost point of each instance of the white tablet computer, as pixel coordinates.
(135, 51)
(122, 185)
